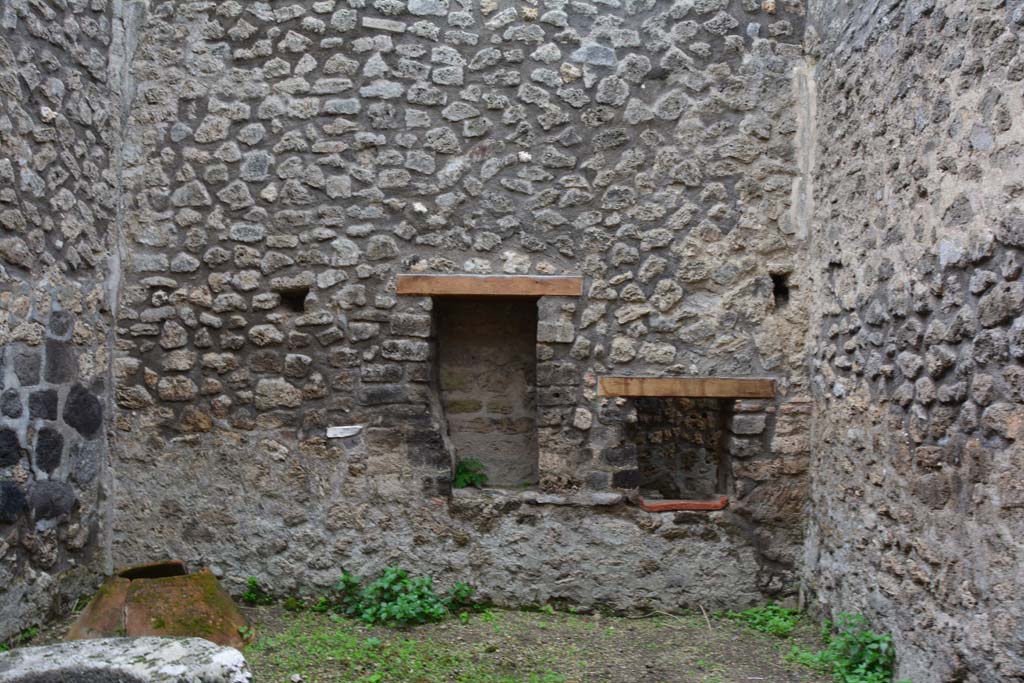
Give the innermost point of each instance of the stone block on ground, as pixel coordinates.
(126, 660)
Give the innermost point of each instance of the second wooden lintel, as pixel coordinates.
(410, 284)
(686, 387)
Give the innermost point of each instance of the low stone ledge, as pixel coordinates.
(126, 660)
(575, 498)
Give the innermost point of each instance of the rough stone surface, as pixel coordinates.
(832, 203)
(918, 410)
(59, 122)
(126, 660)
(421, 137)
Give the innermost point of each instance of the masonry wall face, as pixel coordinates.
(917, 333)
(271, 150)
(57, 205)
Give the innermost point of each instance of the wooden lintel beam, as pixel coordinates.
(686, 387)
(489, 285)
(678, 505)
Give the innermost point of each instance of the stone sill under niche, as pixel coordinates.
(718, 388)
(581, 499)
(534, 497)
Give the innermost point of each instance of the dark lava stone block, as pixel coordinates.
(61, 362)
(43, 404)
(83, 411)
(49, 449)
(50, 499)
(84, 457)
(12, 501)
(26, 367)
(10, 449)
(61, 323)
(626, 479)
(620, 456)
(10, 403)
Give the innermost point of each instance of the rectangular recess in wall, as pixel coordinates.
(412, 284)
(686, 387)
(487, 370)
(679, 446)
(682, 461)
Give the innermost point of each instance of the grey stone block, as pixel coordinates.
(10, 447)
(126, 660)
(49, 449)
(61, 362)
(10, 403)
(43, 404)
(50, 499)
(26, 367)
(12, 502)
(83, 411)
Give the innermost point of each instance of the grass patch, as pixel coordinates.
(337, 647)
(493, 645)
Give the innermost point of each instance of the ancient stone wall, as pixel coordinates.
(58, 122)
(285, 162)
(918, 494)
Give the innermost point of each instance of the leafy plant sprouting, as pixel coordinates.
(348, 591)
(853, 652)
(469, 472)
(322, 604)
(20, 639)
(771, 618)
(460, 597)
(293, 604)
(397, 599)
(254, 593)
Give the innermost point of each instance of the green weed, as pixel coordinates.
(395, 599)
(469, 472)
(853, 652)
(293, 604)
(20, 639)
(254, 593)
(778, 621)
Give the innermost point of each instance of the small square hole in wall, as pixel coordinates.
(680, 453)
(294, 300)
(780, 289)
(488, 369)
